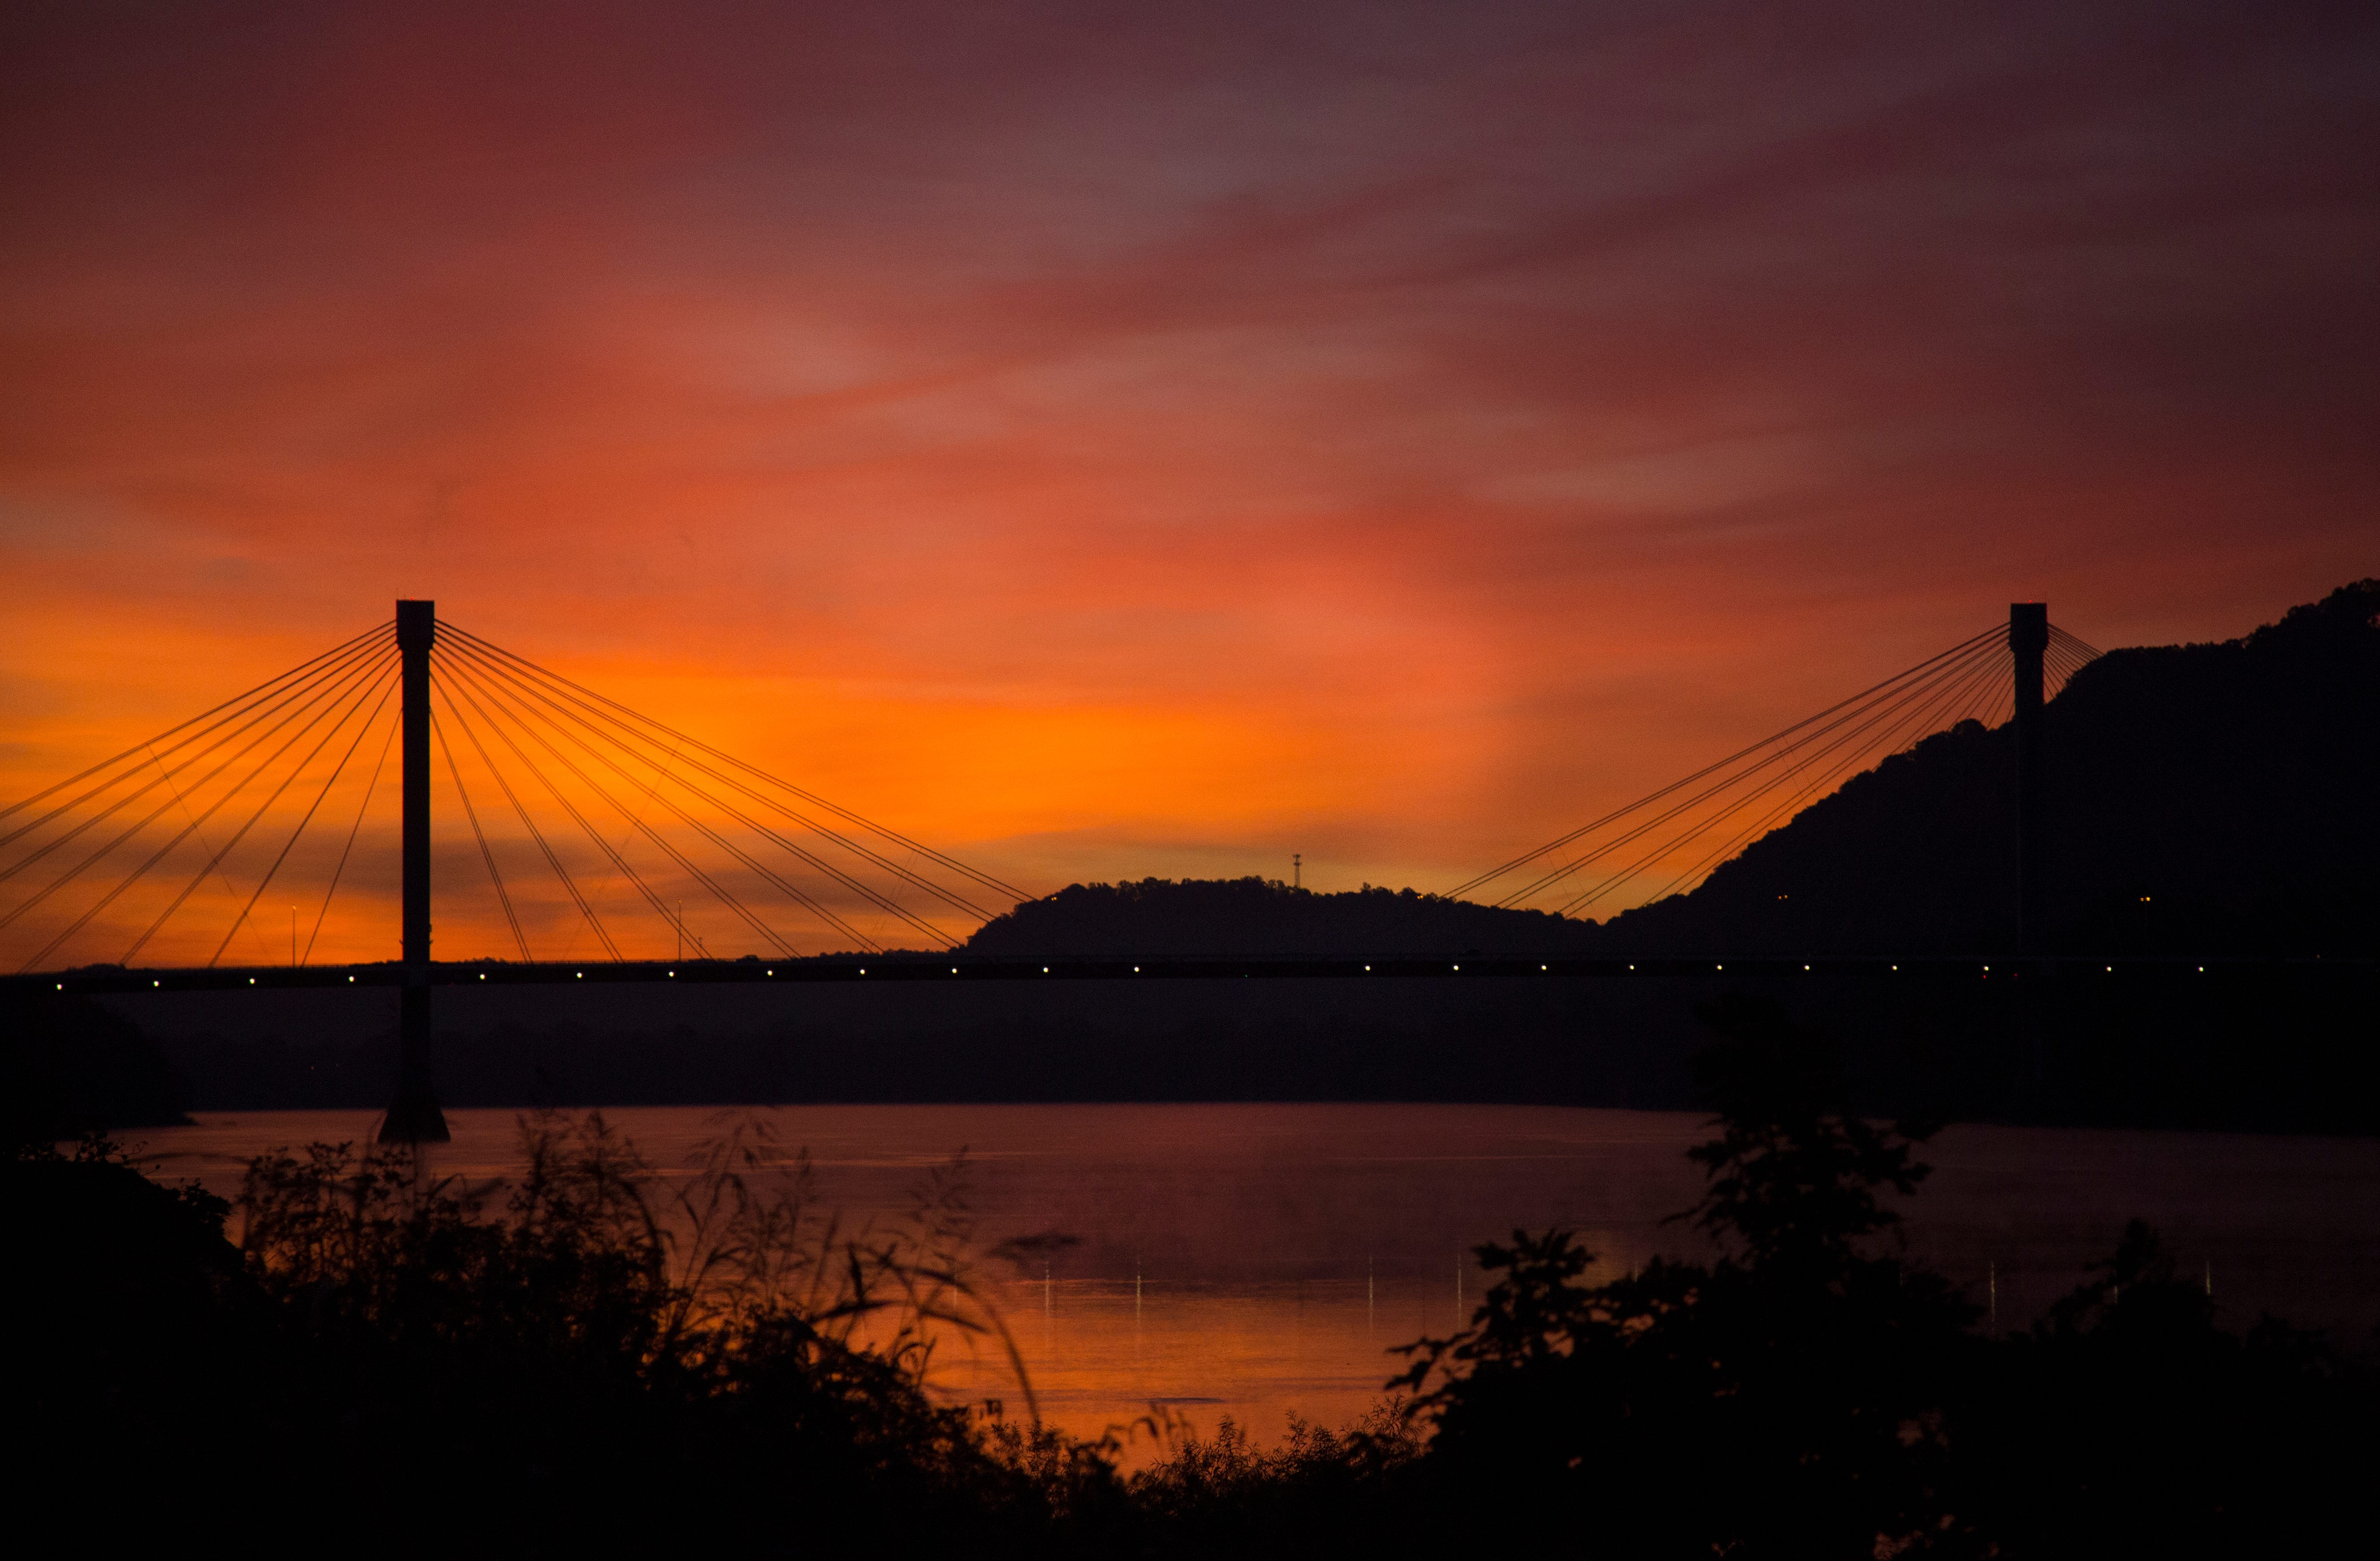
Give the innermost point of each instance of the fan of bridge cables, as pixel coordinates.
(568, 827)
(1667, 842)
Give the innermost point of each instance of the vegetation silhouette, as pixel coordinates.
(599, 1354)
(1264, 918)
(68, 1066)
(1812, 1392)
(618, 1351)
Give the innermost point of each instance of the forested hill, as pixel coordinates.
(1258, 918)
(2203, 798)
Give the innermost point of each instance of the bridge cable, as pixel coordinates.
(216, 861)
(298, 695)
(494, 708)
(336, 770)
(2088, 652)
(791, 891)
(845, 814)
(1923, 718)
(1939, 696)
(1894, 688)
(552, 859)
(140, 748)
(1859, 718)
(361, 808)
(636, 821)
(580, 711)
(478, 834)
(75, 871)
(1912, 705)
(522, 691)
(1556, 845)
(336, 697)
(618, 862)
(1982, 647)
(1866, 715)
(360, 688)
(1986, 697)
(524, 688)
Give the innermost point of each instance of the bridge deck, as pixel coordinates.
(109, 979)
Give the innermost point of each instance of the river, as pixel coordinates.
(1258, 1260)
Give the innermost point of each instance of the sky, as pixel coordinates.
(1105, 441)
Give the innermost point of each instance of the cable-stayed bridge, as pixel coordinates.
(593, 826)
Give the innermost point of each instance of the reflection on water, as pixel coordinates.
(1254, 1260)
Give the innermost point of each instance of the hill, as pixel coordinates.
(1260, 918)
(2202, 797)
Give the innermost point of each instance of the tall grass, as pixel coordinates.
(693, 1272)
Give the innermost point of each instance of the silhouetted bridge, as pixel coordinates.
(740, 972)
(626, 814)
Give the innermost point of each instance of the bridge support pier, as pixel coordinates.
(2029, 641)
(414, 1115)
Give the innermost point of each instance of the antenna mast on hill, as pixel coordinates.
(1296, 870)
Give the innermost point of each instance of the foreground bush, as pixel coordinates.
(597, 1356)
(1810, 1392)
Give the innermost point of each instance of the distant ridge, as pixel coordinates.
(2203, 798)
(1263, 918)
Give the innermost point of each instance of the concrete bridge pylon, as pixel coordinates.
(414, 1115)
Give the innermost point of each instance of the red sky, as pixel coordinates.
(1120, 439)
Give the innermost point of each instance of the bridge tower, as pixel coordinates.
(414, 1117)
(2028, 640)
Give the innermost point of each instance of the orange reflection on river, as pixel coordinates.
(1261, 1259)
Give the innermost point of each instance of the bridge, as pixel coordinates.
(628, 816)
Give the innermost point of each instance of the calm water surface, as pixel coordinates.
(1258, 1260)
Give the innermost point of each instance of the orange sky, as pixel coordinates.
(1110, 441)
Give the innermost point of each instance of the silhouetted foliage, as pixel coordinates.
(1794, 1177)
(598, 1355)
(68, 1066)
(1316, 1492)
(2126, 1421)
(612, 1347)
(1810, 1393)
(1782, 1399)
(1264, 918)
